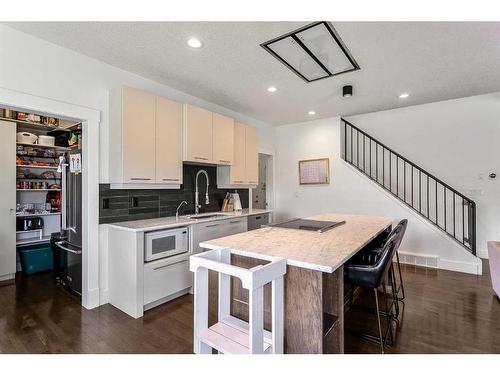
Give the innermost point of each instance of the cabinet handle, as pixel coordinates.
(211, 225)
(225, 161)
(170, 179)
(139, 179)
(252, 182)
(167, 265)
(235, 222)
(258, 217)
(200, 158)
(238, 182)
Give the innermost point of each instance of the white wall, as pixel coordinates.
(350, 192)
(37, 67)
(456, 140)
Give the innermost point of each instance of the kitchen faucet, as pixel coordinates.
(178, 207)
(197, 204)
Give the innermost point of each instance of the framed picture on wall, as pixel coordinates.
(314, 171)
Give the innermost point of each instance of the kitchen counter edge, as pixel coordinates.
(147, 225)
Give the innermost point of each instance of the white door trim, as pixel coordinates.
(90, 189)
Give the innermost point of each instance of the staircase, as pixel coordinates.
(430, 197)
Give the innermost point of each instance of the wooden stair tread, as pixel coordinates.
(228, 338)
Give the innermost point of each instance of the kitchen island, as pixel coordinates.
(314, 288)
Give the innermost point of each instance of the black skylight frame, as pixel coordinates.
(293, 35)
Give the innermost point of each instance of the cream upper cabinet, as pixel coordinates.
(145, 140)
(237, 173)
(251, 156)
(223, 139)
(197, 134)
(138, 136)
(245, 169)
(168, 141)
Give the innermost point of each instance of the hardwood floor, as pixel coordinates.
(444, 312)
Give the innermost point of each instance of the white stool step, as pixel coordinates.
(229, 334)
(230, 339)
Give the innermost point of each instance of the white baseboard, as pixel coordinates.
(9, 276)
(467, 267)
(482, 253)
(92, 299)
(433, 261)
(104, 297)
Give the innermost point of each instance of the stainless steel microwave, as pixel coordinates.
(165, 243)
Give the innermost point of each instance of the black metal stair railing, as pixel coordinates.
(433, 199)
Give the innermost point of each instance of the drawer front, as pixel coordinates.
(162, 279)
(256, 221)
(234, 226)
(216, 229)
(204, 232)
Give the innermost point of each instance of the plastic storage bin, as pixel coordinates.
(36, 258)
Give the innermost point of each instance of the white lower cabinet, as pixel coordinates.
(216, 229)
(165, 278)
(136, 286)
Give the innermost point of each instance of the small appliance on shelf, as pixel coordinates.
(29, 209)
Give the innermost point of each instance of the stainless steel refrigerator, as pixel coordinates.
(68, 245)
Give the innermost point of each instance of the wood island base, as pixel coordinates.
(314, 307)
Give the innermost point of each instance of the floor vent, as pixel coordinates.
(431, 261)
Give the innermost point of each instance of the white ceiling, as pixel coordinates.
(431, 61)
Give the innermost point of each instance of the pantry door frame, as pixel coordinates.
(90, 190)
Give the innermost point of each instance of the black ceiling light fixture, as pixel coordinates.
(313, 52)
(347, 91)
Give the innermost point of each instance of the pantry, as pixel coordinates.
(41, 157)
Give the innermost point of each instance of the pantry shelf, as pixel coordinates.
(33, 125)
(31, 215)
(36, 166)
(33, 190)
(29, 241)
(59, 148)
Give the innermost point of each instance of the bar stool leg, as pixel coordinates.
(378, 320)
(389, 317)
(401, 285)
(395, 299)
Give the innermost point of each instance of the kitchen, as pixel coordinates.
(215, 175)
(170, 188)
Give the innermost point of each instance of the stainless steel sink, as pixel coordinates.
(204, 216)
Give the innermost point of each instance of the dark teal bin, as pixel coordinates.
(36, 258)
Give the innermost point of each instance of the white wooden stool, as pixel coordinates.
(231, 335)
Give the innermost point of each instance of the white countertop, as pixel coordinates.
(172, 221)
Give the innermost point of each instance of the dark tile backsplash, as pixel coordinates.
(133, 204)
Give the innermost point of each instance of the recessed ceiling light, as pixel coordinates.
(404, 95)
(311, 113)
(272, 89)
(194, 43)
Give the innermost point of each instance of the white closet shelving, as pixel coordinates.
(31, 175)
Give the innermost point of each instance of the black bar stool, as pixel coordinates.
(371, 255)
(371, 276)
